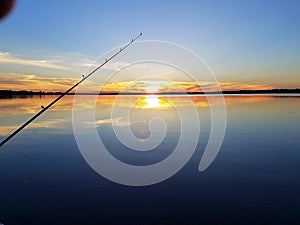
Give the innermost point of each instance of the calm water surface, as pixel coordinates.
(253, 180)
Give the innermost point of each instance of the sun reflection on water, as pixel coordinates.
(152, 101)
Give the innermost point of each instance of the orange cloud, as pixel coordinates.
(38, 83)
(34, 83)
(229, 86)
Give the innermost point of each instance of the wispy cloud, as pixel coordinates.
(115, 66)
(12, 81)
(245, 86)
(8, 58)
(111, 65)
(9, 81)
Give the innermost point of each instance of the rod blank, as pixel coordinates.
(84, 77)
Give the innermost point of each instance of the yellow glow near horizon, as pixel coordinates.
(152, 88)
(156, 86)
(27, 82)
(152, 101)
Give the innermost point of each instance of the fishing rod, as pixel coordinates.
(84, 77)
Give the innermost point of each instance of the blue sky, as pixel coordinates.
(247, 42)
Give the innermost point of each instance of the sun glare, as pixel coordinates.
(151, 101)
(156, 86)
(152, 88)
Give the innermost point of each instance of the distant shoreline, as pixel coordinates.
(247, 92)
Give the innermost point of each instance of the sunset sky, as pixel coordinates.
(45, 45)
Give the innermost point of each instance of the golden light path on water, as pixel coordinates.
(152, 101)
(15, 111)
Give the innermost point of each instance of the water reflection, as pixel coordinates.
(17, 110)
(254, 179)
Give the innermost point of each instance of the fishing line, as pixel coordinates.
(84, 77)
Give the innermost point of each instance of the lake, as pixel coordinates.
(253, 180)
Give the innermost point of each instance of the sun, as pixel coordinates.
(152, 88)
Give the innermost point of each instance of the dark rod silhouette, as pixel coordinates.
(84, 77)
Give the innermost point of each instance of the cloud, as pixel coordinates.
(11, 81)
(111, 65)
(8, 58)
(115, 66)
(245, 86)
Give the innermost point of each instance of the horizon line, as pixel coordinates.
(263, 91)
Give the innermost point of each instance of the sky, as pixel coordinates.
(45, 45)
